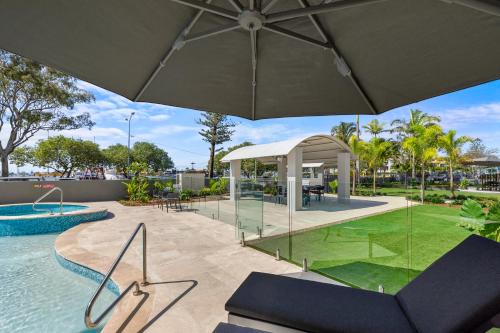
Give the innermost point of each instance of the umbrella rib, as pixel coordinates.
(269, 6)
(209, 8)
(253, 41)
(212, 32)
(482, 6)
(296, 36)
(169, 53)
(319, 9)
(237, 5)
(339, 59)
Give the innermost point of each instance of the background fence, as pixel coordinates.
(74, 191)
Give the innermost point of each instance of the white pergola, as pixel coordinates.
(290, 157)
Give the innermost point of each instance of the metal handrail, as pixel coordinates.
(137, 291)
(46, 195)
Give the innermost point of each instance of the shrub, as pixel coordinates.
(166, 185)
(138, 186)
(204, 192)
(186, 195)
(464, 184)
(270, 189)
(333, 186)
(476, 221)
(218, 186)
(137, 189)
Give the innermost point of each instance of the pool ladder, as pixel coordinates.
(135, 284)
(46, 195)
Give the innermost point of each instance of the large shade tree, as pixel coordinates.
(423, 146)
(116, 156)
(452, 146)
(343, 131)
(153, 156)
(375, 128)
(217, 129)
(376, 153)
(357, 147)
(34, 97)
(61, 154)
(410, 128)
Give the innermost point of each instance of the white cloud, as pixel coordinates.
(473, 115)
(264, 133)
(159, 117)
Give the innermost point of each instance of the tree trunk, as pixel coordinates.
(422, 186)
(211, 162)
(412, 166)
(374, 180)
(451, 182)
(354, 181)
(5, 164)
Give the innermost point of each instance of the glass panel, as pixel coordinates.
(362, 241)
(249, 207)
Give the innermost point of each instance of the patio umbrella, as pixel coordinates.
(263, 59)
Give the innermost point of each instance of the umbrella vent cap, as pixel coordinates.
(251, 20)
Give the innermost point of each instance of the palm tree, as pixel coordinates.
(452, 146)
(375, 154)
(423, 145)
(357, 147)
(344, 131)
(374, 127)
(407, 129)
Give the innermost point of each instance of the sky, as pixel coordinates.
(474, 112)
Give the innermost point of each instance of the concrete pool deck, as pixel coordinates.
(194, 266)
(276, 219)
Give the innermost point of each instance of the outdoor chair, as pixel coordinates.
(157, 196)
(306, 196)
(169, 198)
(281, 194)
(460, 292)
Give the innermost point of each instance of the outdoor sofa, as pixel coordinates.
(460, 292)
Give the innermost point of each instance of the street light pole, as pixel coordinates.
(128, 158)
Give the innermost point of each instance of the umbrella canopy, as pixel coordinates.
(263, 59)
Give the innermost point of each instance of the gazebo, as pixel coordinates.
(290, 157)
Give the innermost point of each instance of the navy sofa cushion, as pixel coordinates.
(458, 292)
(316, 307)
(229, 328)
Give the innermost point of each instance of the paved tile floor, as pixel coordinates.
(194, 265)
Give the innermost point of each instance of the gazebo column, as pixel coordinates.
(234, 177)
(282, 170)
(344, 172)
(294, 177)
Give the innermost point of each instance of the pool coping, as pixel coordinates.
(87, 209)
(86, 272)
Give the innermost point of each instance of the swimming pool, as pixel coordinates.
(27, 209)
(19, 220)
(38, 293)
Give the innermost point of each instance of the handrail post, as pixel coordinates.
(144, 257)
(61, 210)
(135, 284)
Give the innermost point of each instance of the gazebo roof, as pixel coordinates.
(318, 148)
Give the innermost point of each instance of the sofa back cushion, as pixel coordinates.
(458, 292)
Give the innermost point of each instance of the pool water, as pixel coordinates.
(19, 210)
(37, 294)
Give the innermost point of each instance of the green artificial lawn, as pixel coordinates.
(403, 192)
(383, 250)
